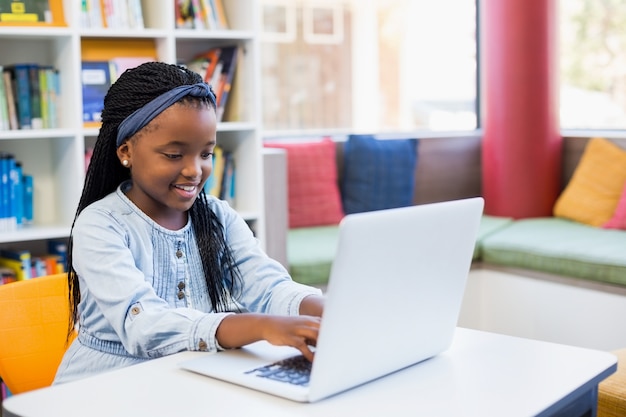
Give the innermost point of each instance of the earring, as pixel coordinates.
(125, 163)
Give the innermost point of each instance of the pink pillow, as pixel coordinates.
(618, 221)
(313, 193)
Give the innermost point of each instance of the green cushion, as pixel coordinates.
(488, 225)
(310, 253)
(310, 250)
(561, 247)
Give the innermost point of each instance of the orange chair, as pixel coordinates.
(33, 328)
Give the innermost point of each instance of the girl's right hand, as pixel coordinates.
(295, 331)
(300, 332)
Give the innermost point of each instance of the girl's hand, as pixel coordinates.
(299, 332)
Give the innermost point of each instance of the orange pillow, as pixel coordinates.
(595, 188)
(314, 198)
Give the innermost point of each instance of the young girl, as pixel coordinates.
(157, 266)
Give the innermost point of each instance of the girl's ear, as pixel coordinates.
(123, 154)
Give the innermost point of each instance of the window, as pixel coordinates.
(593, 64)
(369, 65)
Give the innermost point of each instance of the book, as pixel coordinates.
(28, 191)
(184, 14)
(135, 14)
(96, 80)
(19, 193)
(227, 191)
(222, 20)
(4, 110)
(4, 191)
(53, 92)
(197, 15)
(228, 57)
(205, 63)
(59, 249)
(11, 107)
(218, 171)
(20, 77)
(208, 14)
(14, 184)
(36, 117)
(7, 275)
(25, 11)
(233, 106)
(21, 273)
(22, 256)
(53, 264)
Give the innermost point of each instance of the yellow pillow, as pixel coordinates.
(595, 188)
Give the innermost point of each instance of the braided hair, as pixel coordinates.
(134, 89)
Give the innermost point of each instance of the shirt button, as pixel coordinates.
(181, 295)
(202, 345)
(135, 310)
(179, 253)
(181, 285)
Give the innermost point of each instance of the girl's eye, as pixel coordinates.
(172, 155)
(206, 155)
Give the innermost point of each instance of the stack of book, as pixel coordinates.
(28, 97)
(221, 183)
(218, 67)
(200, 14)
(20, 264)
(16, 194)
(117, 14)
(97, 77)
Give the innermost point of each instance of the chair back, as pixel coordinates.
(33, 327)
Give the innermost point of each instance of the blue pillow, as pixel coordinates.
(378, 173)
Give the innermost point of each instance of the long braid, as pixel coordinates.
(133, 90)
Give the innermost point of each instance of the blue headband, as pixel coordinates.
(144, 115)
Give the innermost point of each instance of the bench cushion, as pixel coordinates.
(559, 246)
(310, 253)
(488, 226)
(310, 250)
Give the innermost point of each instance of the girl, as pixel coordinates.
(156, 266)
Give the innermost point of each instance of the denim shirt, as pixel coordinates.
(143, 292)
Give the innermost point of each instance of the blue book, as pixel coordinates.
(20, 75)
(27, 182)
(13, 186)
(19, 193)
(36, 117)
(96, 80)
(4, 191)
(58, 248)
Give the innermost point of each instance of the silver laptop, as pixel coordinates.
(393, 300)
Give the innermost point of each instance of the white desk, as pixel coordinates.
(482, 374)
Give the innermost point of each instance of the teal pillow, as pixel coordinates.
(378, 173)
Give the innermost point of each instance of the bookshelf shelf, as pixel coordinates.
(124, 33)
(30, 233)
(56, 157)
(196, 34)
(39, 33)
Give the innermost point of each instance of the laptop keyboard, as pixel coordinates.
(295, 370)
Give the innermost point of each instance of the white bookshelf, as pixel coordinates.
(55, 157)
